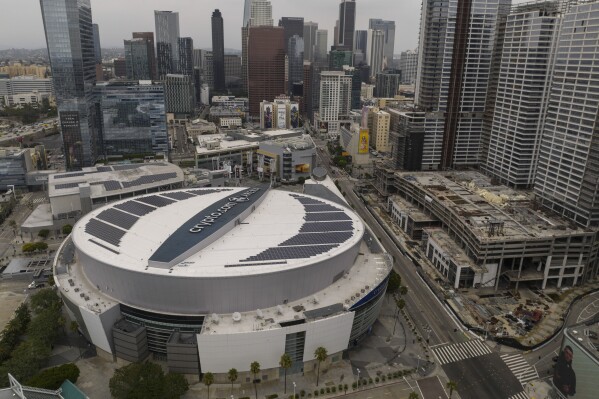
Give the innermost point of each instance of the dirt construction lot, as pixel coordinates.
(12, 294)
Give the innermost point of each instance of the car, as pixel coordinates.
(40, 285)
(32, 285)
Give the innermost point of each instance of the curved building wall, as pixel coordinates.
(201, 295)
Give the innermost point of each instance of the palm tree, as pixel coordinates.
(255, 369)
(413, 395)
(208, 380)
(321, 355)
(452, 386)
(285, 364)
(232, 376)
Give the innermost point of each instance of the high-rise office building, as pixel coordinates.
(522, 92)
(185, 58)
(388, 29)
(339, 58)
(232, 70)
(567, 179)
(294, 26)
(261, 13)
(378, 126)
(321, 46)
(310, 29)
(255, 13)
(408, 65)
(97, 46)
(149, 38)
(69, 36)
(167, 42)
(133, 118)
(120, 67)
(266, 65)
(335, 101)
(387, 83)
(179, 95)
(356, 86)
(360, 46)
(137, 59)
(375, 51)
(347, 25)
(307, 104)
(295, 61)
(218, 51)
(453, 76)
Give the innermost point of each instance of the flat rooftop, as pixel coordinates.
(416, 214)
(485, 206)
(448, 245)
(112, 180)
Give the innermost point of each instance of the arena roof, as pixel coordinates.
(217, 232)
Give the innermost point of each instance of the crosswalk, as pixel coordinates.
(460, 351)
(521, 395)
(523, 371)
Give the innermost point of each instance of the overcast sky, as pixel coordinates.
(21, 25)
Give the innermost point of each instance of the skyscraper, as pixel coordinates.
(218, 51)
(335, 100)
(455, 50)
(266, 65)
(388, 28)
(408, 65)
(387, 83)
(375, 51)
(97, 46)
(137, 59)
(361, 41)
(149, 38)
(567, 179)
(167, 42)
(69, 37)
(347, 24)
(185, 45)
(310, 29)
(255, 13)
(293, 26)
(321, 46)
(179, 95)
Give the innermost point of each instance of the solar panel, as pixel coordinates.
(309, 201)
(155, 200)
(127, 167)
(118, 218)
(67, 185)
(320, 208)
(318, 238)
(135, 208)
(290, 252)
(111, 185)
(326, 226)
(149, 179)
(325, 216)
(104, 169)
(179, 195)
(207, 191)
(74, 174)
(104, 232)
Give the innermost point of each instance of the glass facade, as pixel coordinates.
(218, 51)
(133, 118)
(70, 41)
(167, 42)
(137, 59)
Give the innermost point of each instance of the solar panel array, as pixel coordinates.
(155, 201)
(127, 167)
(66, 185)
(104, 169)
(135, 208)
(104, 232)
(74, 174)
(112, 185)
(178, 195)
(149, 179)
(325, 227)
(118, 218)
(204, 192)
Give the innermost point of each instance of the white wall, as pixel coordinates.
(100, 325)
(65, 203)
(220, 352)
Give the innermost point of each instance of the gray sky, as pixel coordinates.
(21, 25)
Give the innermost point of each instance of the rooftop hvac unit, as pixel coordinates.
(236, 317)
(215, 318)
(279, 309)
(259, 314)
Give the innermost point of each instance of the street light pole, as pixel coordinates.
(358, 378)
(293, 389)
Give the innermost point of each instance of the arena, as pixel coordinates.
(215, 278)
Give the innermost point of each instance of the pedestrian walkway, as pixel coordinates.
(521, 395)
(460, 351)
(523, 371)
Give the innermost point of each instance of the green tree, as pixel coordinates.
(255, 370)
(285, 364)
(208, 380)
(146, 380)
(66, 229)
(74, 326)
(394, 282)
(175, 386)
(45, 299)
(53, 378)
(44, 233)
(413, 395)
(403, 290)
(452, 386)
(321, 355)
(232, 376)
(400, 303)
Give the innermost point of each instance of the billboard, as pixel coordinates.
(323, 127)
(575, 371)
(267, 116)
(363, 143)
(281, 117)
(294, 116)
(302, 168)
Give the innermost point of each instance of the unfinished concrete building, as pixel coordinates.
(490, 235)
